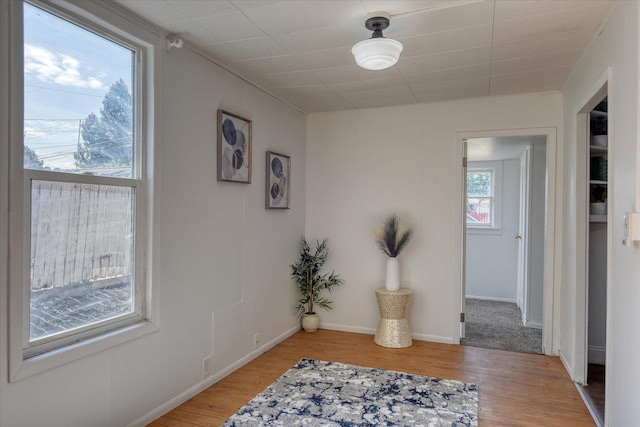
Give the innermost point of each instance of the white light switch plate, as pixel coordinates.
(631, 228)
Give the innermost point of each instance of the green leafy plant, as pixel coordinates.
(393, 236)
(306, 273)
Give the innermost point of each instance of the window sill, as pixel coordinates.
(24, 368)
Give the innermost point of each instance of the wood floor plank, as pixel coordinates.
(515, 389)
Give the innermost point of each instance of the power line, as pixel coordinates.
(54, 120)
(49, 131)
(64, 91)
(44, 146)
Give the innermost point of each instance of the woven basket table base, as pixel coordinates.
(393, 326)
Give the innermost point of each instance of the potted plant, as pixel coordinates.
(311, 283)
(391, 239)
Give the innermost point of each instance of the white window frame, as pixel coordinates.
(495, 226)
(112, 22)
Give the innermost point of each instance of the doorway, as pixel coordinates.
(504, 266)
(593, 212)
(533, 298)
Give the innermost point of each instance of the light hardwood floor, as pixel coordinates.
(515, 389)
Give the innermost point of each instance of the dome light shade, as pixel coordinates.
(377, 53)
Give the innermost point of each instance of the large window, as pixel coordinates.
(84, 189)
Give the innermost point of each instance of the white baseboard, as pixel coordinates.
(597, 354)
(566, 365)
(209, 381)
(491, 298)
(372, 331)
(434, 338)
(348, 328)
(535, 325)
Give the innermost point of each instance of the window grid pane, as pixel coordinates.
(81, 255)
(479, 198)
(479, 211)
(480, 184)
(79, 107)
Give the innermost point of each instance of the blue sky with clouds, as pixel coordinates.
(67, 72)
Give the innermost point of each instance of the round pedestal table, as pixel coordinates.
(393, 326)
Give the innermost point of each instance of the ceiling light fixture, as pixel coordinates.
(378, 52)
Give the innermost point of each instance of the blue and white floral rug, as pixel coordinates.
(318, 393)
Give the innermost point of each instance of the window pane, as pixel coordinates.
(478, 211)
(81, 255)
(78, 104)
(479, 184)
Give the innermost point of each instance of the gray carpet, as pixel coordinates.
(498, 325)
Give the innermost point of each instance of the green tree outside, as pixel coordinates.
(478, 184)
(107, 140)
(31, 160)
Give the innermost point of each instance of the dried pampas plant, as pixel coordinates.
(393, 236)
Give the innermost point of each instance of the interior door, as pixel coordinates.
(464, 238)
(523, 235)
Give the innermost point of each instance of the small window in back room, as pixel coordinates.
(480, 198)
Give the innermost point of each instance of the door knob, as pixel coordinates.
(518, 236)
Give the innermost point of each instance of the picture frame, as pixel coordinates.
(234, 148)
(278, 181)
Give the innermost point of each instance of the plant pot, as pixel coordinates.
(310, 322)
(393, 275)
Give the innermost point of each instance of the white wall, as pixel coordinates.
(220, 254)
(363, 165)
(492, 258)
(616, 46)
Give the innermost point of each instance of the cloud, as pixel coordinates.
(46, 128)
(57, 68)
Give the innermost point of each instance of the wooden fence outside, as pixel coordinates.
(80, 233)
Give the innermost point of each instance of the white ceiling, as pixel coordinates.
(300, 50)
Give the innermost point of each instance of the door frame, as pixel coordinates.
(550, 337)
(463, 254)
(598, 91)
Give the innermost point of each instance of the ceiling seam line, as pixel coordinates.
(437, 8)
(493, 33)
(241, 77)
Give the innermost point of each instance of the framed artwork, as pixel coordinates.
(234, 148)
(278, 181)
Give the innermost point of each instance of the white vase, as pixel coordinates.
(393, 275)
